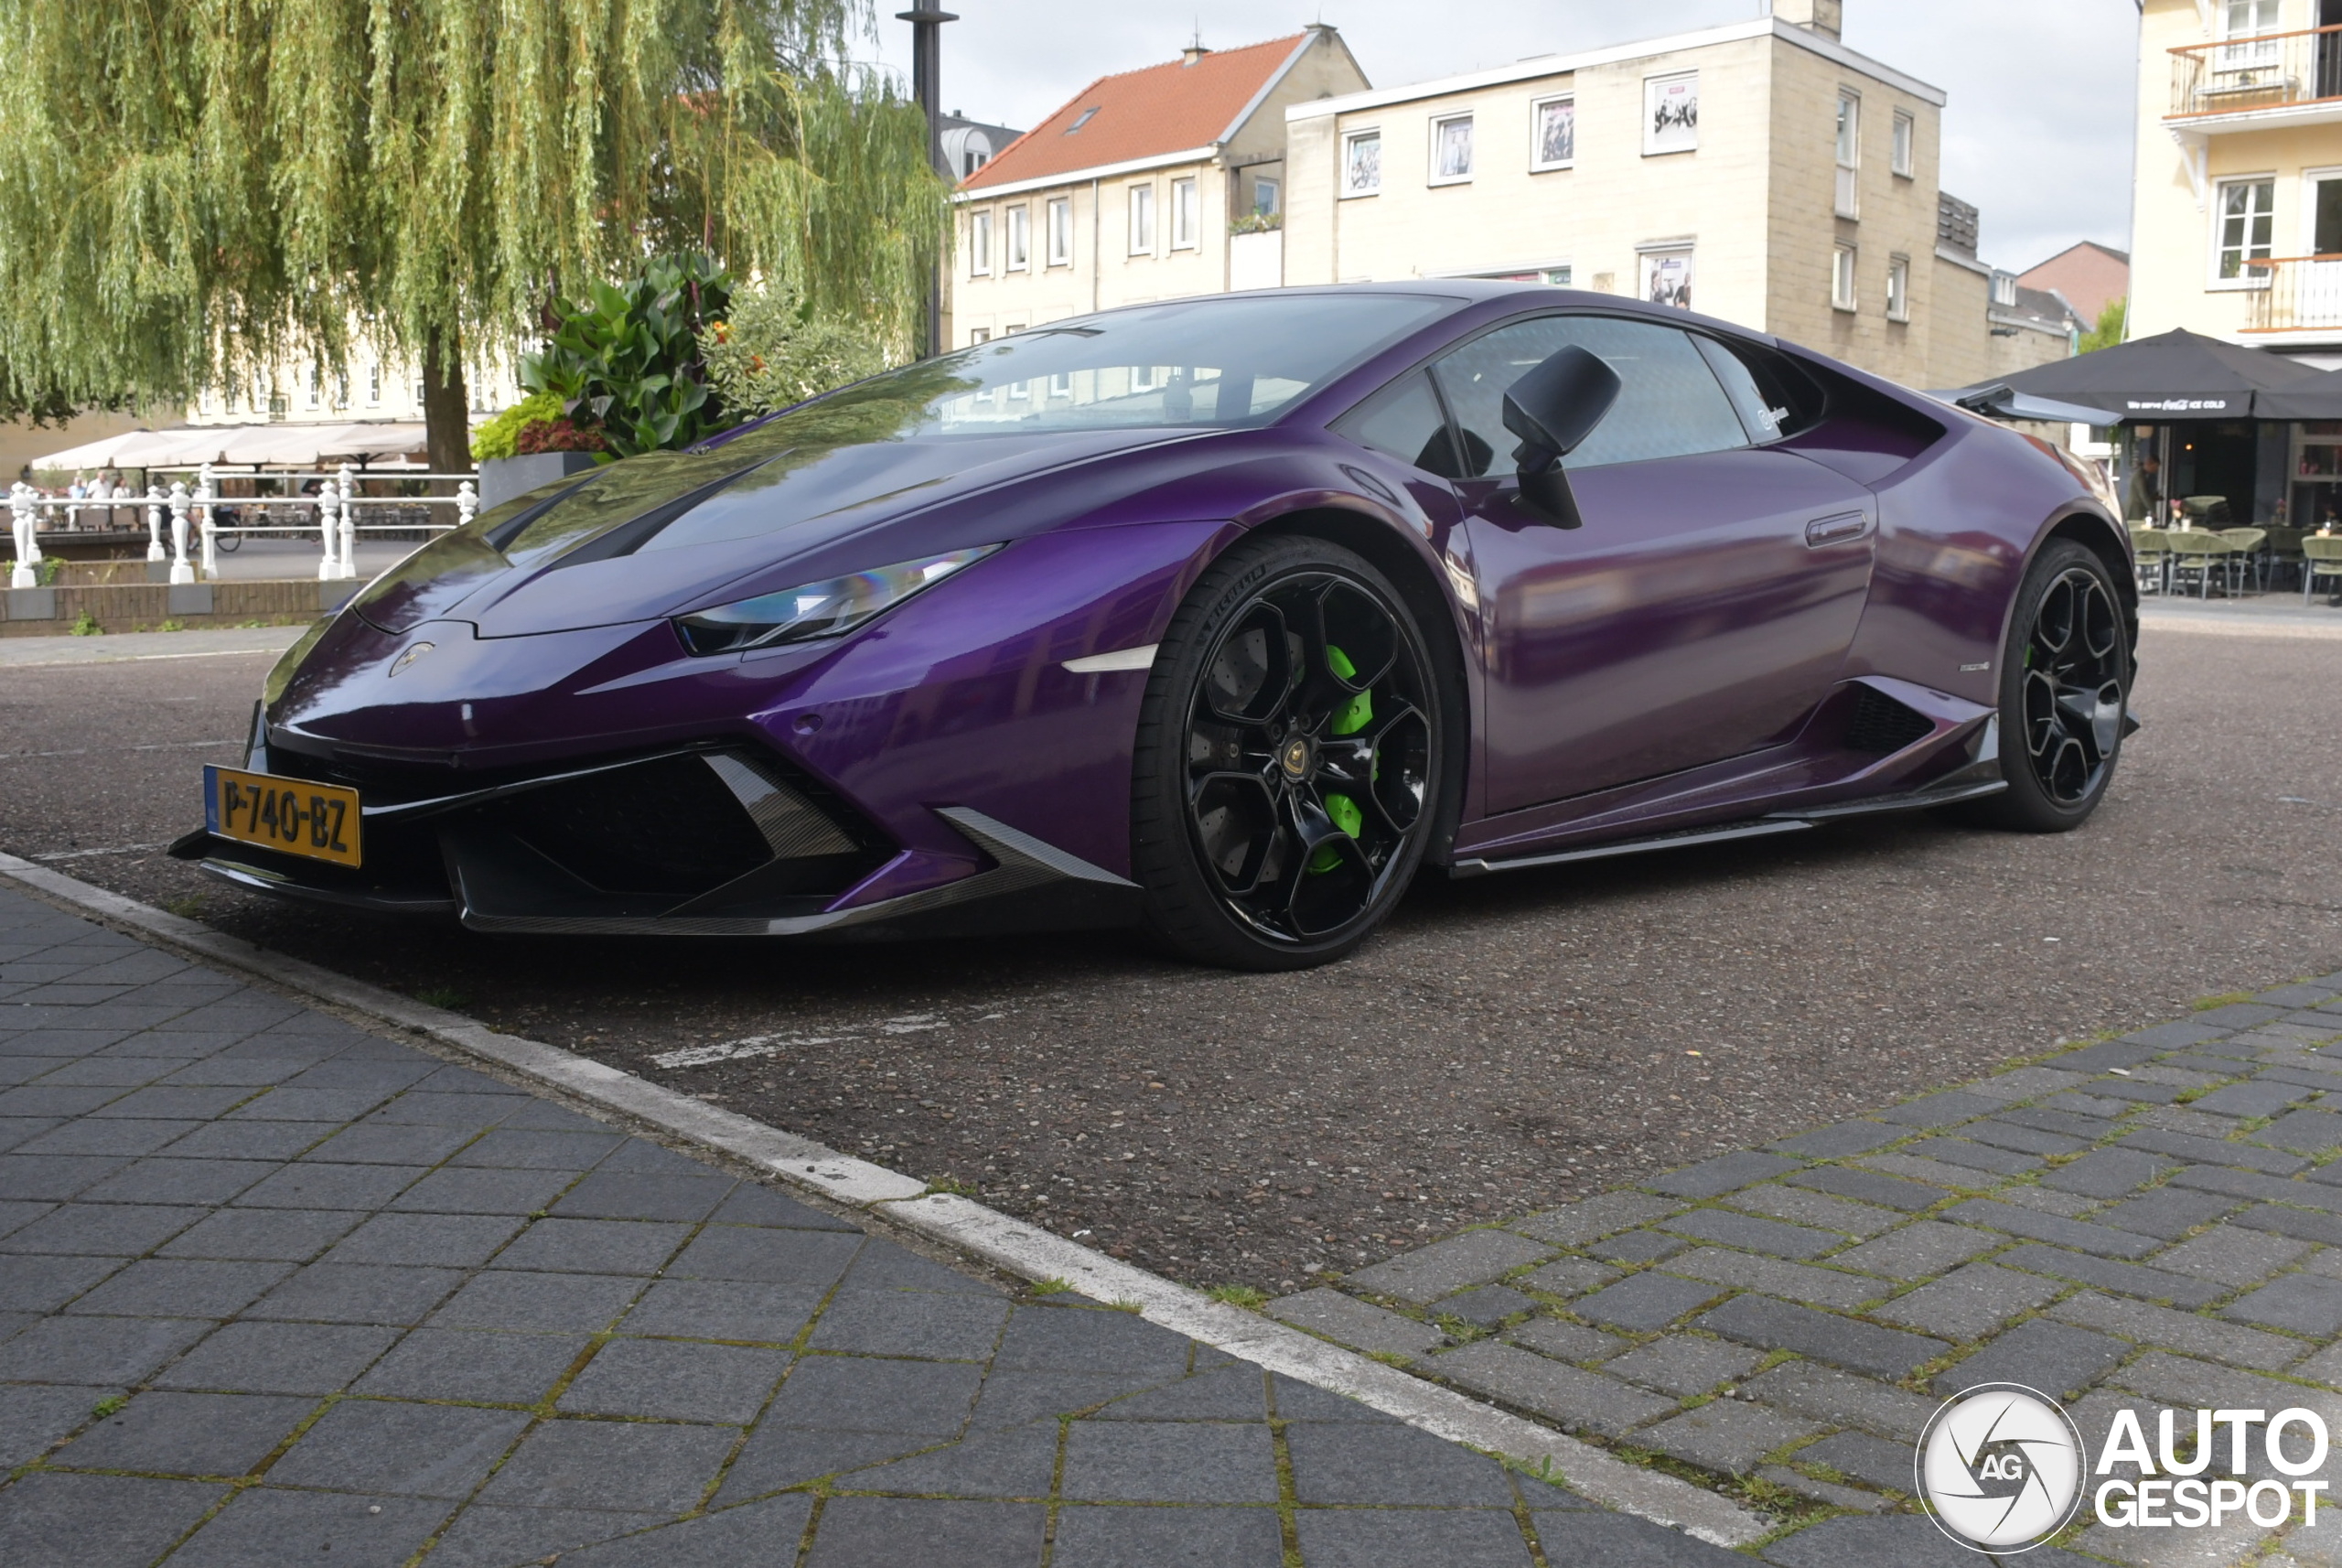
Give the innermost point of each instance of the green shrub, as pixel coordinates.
(498, 437)
(626, 360)
(774, 350)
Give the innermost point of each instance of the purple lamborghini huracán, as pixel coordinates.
(1222, 617)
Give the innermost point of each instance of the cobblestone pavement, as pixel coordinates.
(2154, 1220)
(273, 1287)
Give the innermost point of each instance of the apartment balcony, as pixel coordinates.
(2295, 294)
(2276, 79)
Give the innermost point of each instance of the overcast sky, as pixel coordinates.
(2037, 133)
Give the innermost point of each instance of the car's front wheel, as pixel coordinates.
(1289, 760)
(2064, 694)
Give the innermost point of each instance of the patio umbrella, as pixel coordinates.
(2182, 375)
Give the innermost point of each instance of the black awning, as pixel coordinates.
(2183, 375)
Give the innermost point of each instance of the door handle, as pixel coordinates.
(1838, 529)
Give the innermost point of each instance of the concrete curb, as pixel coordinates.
(969, 1228)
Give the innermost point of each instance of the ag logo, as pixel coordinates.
(2000, 1467)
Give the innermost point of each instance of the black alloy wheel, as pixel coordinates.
(2065, 690)
(1289, 760)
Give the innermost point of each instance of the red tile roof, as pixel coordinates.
(1165, 108)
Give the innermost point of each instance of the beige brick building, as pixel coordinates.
(1133, 191)
(1761, 172)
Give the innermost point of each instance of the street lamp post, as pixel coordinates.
(927, 61)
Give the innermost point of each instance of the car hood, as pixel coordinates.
(663, 533)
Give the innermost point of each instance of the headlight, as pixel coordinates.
(817, 610)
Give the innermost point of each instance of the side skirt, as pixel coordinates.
(1761, 827)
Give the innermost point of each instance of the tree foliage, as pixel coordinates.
(2110, 328)
(197, 192)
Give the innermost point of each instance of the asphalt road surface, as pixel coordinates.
(1507, 1043)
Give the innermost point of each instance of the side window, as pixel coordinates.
(1758, 412)
(1405, 420)
(1670, 406)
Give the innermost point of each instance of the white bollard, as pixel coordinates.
(349, 568)
(466, 503)
(328, 504)
(206, 493)
(21, 518)
(33, 511)
(155, 550)
(180, 570)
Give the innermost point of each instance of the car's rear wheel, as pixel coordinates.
(2064, 694)
(1290, 759)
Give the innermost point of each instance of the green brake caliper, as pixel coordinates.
(1356, 715)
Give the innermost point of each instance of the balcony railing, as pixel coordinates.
(2295, 294)
(2274, 70)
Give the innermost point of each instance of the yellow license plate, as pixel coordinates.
(291, 816)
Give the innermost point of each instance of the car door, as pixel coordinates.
(1705, 607)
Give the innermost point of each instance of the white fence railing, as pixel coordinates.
(336, 508)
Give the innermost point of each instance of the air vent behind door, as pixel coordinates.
(1880, 725)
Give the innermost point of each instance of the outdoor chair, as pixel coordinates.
(2321, 557)
(2205, 512)
(2154, 550)
(2251, 558)
(2201, 551)
(2284, 552)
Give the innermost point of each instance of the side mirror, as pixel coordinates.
(1554, 409)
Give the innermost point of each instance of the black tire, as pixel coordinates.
(2065, 690)
(1280, 805)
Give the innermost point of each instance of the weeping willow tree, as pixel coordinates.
(201, 192)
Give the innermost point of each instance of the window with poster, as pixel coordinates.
(1667, 277)
(1553, 122)
(1671, 113)
(1362, 163)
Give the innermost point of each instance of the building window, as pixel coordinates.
(1670, 114)
(1362, 163)
(1841, 277)
(978, 335)
(979, 244)
(1850, 154)
(1061, 231)
(374, 385)
(1559, 278)
(1553, 122)
(2324, 204)
(1266, 194)
(2004, 290)
(1907, 131)
(1898, 288)
(316, 385)
(1183, 214)
(2247, 219)
(1667, 277)
(1451, 150)
(2249, 19)
(1141, 220)
(1020, 238)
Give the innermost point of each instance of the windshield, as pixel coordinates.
(1214, 361)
